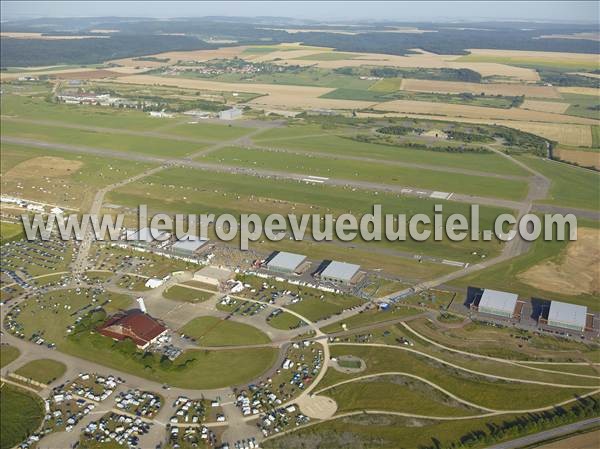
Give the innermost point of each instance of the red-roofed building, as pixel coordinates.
(134, 324)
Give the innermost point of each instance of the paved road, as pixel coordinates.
(548, 434)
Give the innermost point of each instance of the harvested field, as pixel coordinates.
(477, 112)
(279, 96)
(545, 106)
(580, 91)
(566, 134)
(533, 58)
(40, 36)
(575, 273)
(174, 56)
(43, 166)
(451, 87)
(89, 74)
(582, 158)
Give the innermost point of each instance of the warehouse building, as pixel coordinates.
(188, 246)
(213, 275)
(283, 262)
(566, 316)
(230, 114)
(341, 272)
(145, 236)
(497, 303)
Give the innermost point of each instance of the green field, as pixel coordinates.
(596, 136)
(75, 188)
(484, 392)
(222, 193)
(571, 186)
(213, 331)
(329, 56)
(531, 62)
(372, 316)
(103, 140)
(21, 413)
(8, 354)
(179, 293)
(43, 370)
(393, 432)
(583, 105)
(10, 231)
(368, 171)
(207, 131)
(397, 394)
(340, 146)
(387, 85)
(284, 321)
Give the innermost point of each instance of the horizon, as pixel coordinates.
(581, 12)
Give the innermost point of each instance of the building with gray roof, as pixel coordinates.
(494, 302)
(284, 262)
(567, 316)
(340, 272)
(188, 246)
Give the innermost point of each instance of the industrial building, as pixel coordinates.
(134, 324)
(566, 316)
(230, 114)
(341, 272)
(283, 262)
(213, 275)
(145, 236)
(188, 246)
(500, 304)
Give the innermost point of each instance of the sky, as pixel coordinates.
(560, 11)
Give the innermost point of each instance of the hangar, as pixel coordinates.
(502, 304)
(188, 246)
(283, 262)
(145, 236)
(567, 316)
(213, 275)
(341, 272)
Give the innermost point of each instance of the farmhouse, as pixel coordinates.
(188, 246)
(567, 316)
(283, 262)
(135, 325)
(341, 272)
(230, 114)
(213, 275)
(499, 304)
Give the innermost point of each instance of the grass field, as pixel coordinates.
(179, 293)
(397, 394)
(583, 105)
(20, 415)
(571, 186)
(481, 391)
(284, 321)
(372, 316)
(278, 196)
(387, 85)
(116, 142)
(549, 60)
(10, 231)
(542, 251)
(8, 354)
(193, 369)
(212, 331)
(208, 131)
(340, 146)
(368, 171)
(43, 370)
(60, 177)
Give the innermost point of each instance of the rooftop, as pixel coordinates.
(189, 243)
(497, 300)
(133, 324)
(287, 261)
(146, 235)
(570, 314)
(340, 270)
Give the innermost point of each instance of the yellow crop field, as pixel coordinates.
(476, 112)
(580, 90)
(452, 87)
(583, 158)
(545, 106)
(387, 85)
